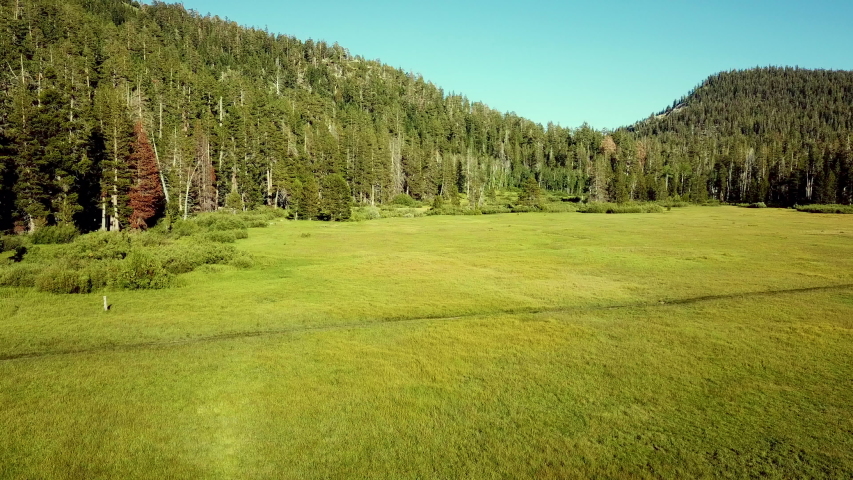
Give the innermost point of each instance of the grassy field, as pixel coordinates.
(701, 342)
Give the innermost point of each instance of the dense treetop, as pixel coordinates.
(259, 118)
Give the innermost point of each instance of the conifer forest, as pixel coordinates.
(113, 113)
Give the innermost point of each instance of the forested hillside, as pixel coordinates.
(102, 98)
(230, 109)
(778, 135)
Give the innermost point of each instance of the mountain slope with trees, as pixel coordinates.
(776, 135)
(244, 117)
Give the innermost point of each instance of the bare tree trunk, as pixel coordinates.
(160, 171)
(114, 222)
(269, 186)
(396, 151)
(187, 201)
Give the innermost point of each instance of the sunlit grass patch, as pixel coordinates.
(698, 343)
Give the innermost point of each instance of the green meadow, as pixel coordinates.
(694, 343)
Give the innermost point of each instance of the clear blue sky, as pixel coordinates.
(605, 63)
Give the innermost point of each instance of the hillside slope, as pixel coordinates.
(231, 109)
(246, 117)
(781, 135)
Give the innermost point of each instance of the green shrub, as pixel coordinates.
(54, 234)
(271, 213)
(60, 279)
(365, 213)
(19, 275)
(816, 208)
(148, 239)
(401, 212)
(220, 222)
(490, 210)
(404, 200)
(11, 242)
(524, 208)
(757, 205)
(141, 270)
(103, 273)
(559, 207)
(674, 204)
(183, 257)
(184, 228)
(220, 236)
(177, 265)
(100, 246)
(446, 210)
(255, 221)
(242, 261)
(604, 207)
(128, 260)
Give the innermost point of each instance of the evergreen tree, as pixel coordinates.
(336, 198)
(461, 181)
(309, 198)
(529, 194)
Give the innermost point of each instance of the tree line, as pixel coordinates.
(113, 112)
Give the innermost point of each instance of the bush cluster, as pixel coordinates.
(560, 207)
(361, 214)
(603, 207)
(817, 208)
(401, 212)
(11, 242)
(54, 234)
(673, 203)
(128, 260)
(404, 200)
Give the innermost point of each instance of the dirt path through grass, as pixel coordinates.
(383, 321)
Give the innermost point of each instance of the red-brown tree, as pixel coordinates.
(146, 195)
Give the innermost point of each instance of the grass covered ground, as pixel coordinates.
(697, 342)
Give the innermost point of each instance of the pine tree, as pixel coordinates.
(336, 198)
(529, 194)
(460, 179)
(309, 199)
(294, 198)
(146, 194)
